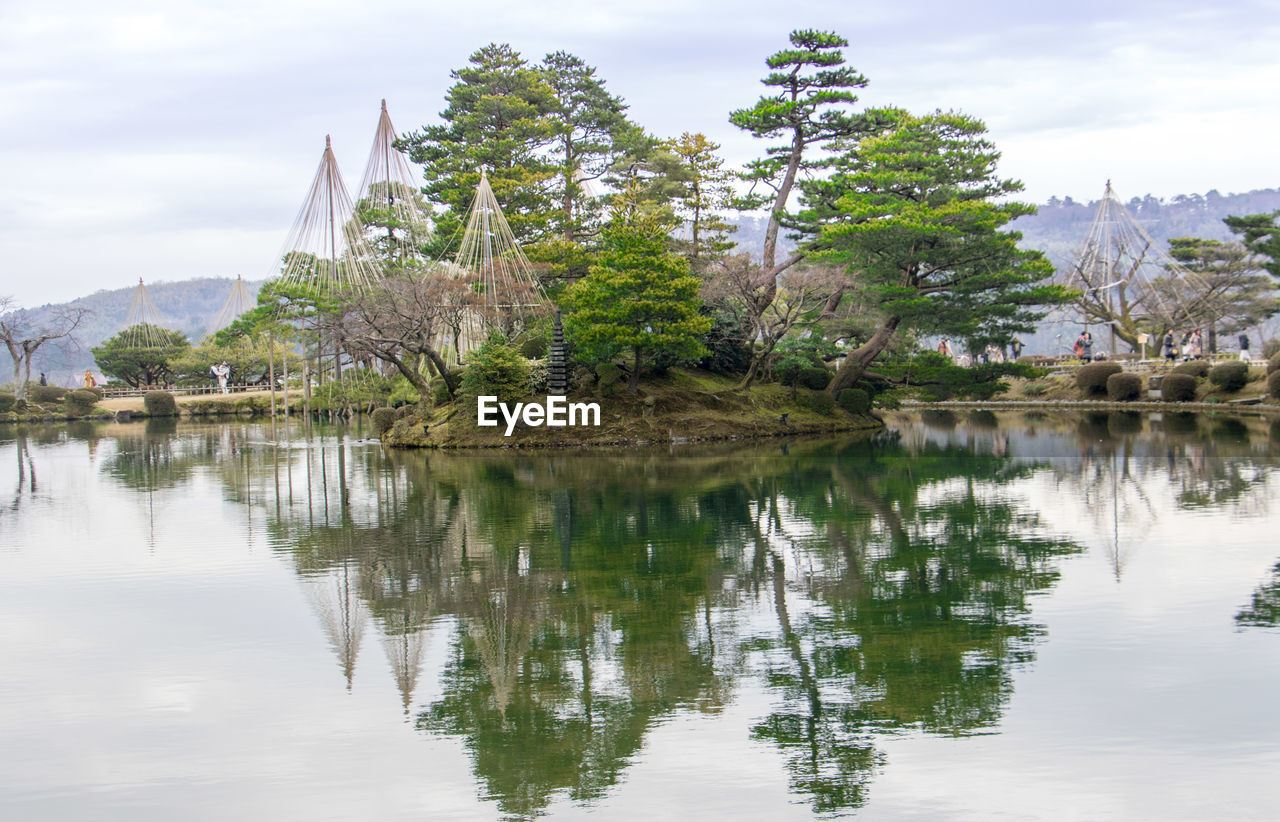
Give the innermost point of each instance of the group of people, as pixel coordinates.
(992, 353)
(1190, 347)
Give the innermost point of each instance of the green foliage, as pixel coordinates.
(919, 212)
(246, 355)
(534, 348)
(793, 355)
(1123, 387)
(937, 377)
(7, 401)
(820, 402)
(1273, 385)
(1035, 389)
(608, 374)
(1273, 364)
(726, 344)
(638, 296)
(813, 377)
(382, 419)
(1261, 235)
(45, 393)
(588, 122)
(854, 400)
(131, 358)
(809, 90)
(1178, 388)
(1230, 376)
(1194, 368)
(496, 369)
(439, 392)
(1092, 378)
(159, 404)
(498, 118)
(81, 401)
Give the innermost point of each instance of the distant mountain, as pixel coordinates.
(189, 306)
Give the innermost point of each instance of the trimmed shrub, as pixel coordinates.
(45, 393)
(1273, 364)
(1092, 378)
(1273, 385)
(1178, 388)
(96, 391)
(854, 400)
(1196, 368)
(160, 404)
(496, 369)
(608, 375)
(819, 402)
(81, 401)
(6, 402)
(382, 419)
(813, 378)
(1124, 387)
(1270, 348)
(1230, 376)
(534, 348)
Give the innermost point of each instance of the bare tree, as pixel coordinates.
(410, 317)
(803, 292)
(23, 337)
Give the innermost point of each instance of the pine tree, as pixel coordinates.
(640, 297)
(499, 118)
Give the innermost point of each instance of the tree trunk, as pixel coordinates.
(271, 372)
(634, 384)
(19, 387)
(858, 360)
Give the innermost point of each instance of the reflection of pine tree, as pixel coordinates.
(1264, 610)
(342, 612)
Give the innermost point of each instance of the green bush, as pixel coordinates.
(382, 419)
(1230, 376)
(1273, 385)
(1123, 387)
(159, 404)
(6, 402)
(1273, 364)
(45, 393)
(1178, 388)
(1271, 348)
(854, 400)
(608, 375)
(439, 392)
(819, 402)
(496, 369)
(1092, 378)
(1196, 368)
(81, 401)
(814, 378)
(1035, 389)
(534, 348)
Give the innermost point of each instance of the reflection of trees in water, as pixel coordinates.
(1264, 609)
(591, 597)
(913, 608)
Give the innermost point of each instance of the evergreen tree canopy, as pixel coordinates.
(917, 213)
(639, 297)
(134, 359)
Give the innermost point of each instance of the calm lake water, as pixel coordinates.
(969, 616)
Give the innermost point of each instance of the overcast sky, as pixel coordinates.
(176, 140)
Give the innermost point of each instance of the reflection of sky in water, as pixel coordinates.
(178, 630)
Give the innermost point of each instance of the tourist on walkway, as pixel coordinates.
(1196, 350)
(89, 381)
(43, 381)
(1166, 346)
(1244, 348)
(1084, 346)
(221, 371)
